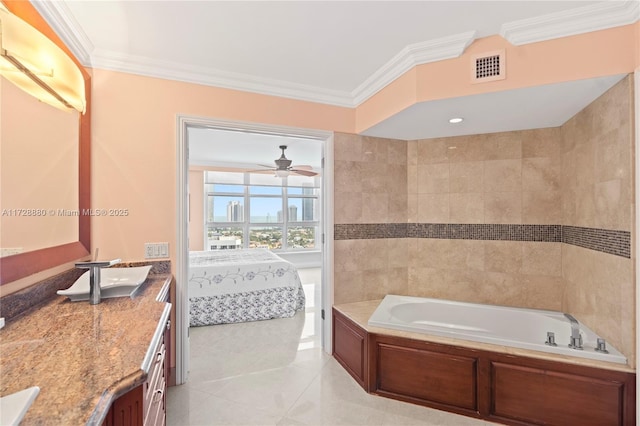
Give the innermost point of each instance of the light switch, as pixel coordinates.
(156, 250)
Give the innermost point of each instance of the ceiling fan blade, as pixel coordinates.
(303, 172)
(269, 170)
(302, 167)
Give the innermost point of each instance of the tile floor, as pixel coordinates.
(275, 373)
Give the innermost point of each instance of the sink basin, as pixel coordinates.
(114, 282)
(13, 407)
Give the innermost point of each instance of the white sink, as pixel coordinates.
(114, 282)
(13, 407)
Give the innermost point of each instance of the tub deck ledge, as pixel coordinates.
(359, 312)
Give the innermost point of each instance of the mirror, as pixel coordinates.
(44, 176)
(38, 173)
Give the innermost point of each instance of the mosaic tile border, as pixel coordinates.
(604, 240)
(497, 232)
(366, 231)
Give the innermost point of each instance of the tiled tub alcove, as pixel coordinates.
(535, 218)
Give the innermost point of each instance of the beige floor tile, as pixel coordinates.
(275, 373)
(221, 411)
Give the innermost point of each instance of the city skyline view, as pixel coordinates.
(263, 210)
(262, 216)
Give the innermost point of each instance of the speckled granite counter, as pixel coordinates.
(81, 356)
(359, 312)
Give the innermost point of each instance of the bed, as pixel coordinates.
(229, 286)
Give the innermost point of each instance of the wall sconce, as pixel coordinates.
(35, 64)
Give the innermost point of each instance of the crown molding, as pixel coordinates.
(211, 77)
(599, 16)
(412, 55)
(595, 17)
(60, 18)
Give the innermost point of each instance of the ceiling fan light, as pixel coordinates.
(282, 173)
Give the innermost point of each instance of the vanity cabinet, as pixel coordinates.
(155, 395)
(145, 405)
(126, 410)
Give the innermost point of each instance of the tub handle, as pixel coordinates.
(551, 339)
(601, 346)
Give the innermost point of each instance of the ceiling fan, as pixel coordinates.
(284, 168)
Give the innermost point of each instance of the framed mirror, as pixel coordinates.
(45, 184)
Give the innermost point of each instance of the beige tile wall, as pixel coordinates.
(598, 192)
(370, 178)
(511, 177)
(580, 174)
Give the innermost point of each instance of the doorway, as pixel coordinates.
(322, 143)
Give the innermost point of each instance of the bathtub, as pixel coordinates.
(506, 326)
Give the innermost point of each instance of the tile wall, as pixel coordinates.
(538, 218)
(370, 257)
(492, 184)
(598, 193)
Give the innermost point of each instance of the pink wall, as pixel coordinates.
(134, 123)
(134, 149)
(589, 55)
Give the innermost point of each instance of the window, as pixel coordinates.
(245, 210)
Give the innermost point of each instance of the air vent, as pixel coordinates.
(488, 66)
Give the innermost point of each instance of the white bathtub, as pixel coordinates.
(515, 327)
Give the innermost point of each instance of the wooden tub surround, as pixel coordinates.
(500, 384)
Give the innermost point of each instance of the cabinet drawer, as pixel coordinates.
(157, 367)
(156, 414)
(155, 379)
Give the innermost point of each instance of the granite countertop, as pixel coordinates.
(359, 312)
(82, 356)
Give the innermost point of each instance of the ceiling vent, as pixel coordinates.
(488, 66)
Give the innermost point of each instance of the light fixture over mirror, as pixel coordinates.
(38, 66)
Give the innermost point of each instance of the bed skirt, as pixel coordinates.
(279, 302)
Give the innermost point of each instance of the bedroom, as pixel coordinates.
(254, 234)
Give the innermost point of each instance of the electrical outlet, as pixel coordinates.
(156, 250)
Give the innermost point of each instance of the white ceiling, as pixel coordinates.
(337, 52)
(520, 109)
(215, 147)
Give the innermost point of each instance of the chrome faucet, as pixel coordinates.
(94, 276)
(575, 341)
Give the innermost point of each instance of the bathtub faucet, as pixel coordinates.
(575, 341)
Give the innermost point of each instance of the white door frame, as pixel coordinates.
(636, 77)
(182, 239)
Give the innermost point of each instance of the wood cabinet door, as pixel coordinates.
(427, 376)
(350, 348)
(126, 410)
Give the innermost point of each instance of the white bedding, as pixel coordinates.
(242, 285)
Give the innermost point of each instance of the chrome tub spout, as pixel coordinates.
(575, 341)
